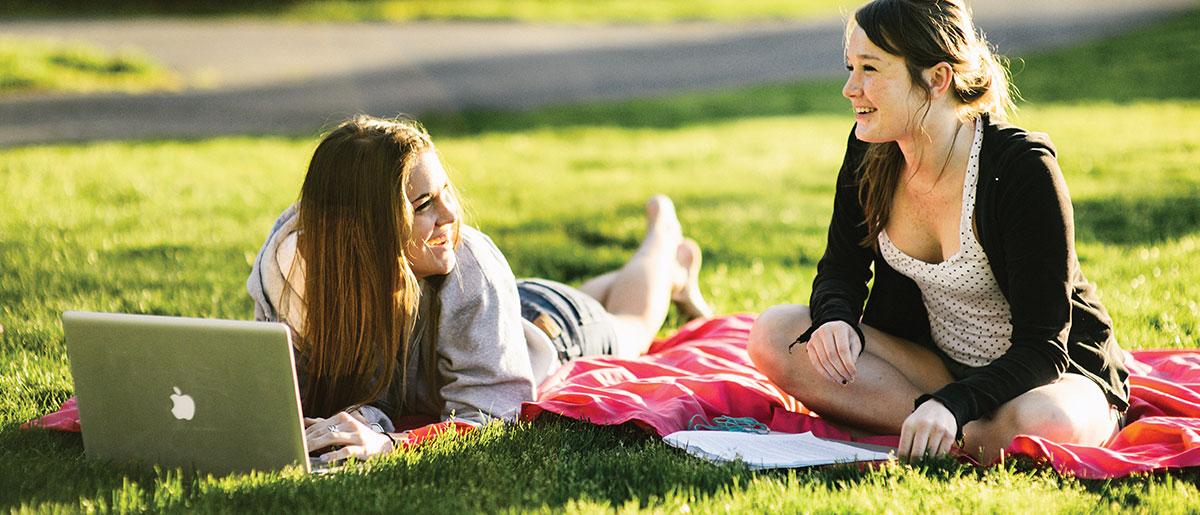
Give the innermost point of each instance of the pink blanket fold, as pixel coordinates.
(704, 370)
(65, 419)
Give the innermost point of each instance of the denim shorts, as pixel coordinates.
(576, 323)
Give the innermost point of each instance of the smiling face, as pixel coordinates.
(430, 246)
(887, 105)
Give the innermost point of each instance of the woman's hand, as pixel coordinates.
(833, 349)
(930, 430)
(349, 432)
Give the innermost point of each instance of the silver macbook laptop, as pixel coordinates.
(214, 395)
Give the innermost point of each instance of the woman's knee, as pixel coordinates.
(774, 326)
(985, 438)
(1059, 419)
(770, 338)
(1046, 419)
(1064, 412)
(633, 336)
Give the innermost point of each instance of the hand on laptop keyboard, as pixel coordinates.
(343, 436)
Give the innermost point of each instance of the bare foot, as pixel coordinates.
(662, 225)
(687, 296)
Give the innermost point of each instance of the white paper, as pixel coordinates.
(775, 450)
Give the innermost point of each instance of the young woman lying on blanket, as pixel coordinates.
(398, 308)
(980, 325)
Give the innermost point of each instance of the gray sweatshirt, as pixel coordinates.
(488, 358)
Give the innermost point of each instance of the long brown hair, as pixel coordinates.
(925, 33)
(360, 295)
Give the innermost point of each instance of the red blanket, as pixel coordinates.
(704, 370)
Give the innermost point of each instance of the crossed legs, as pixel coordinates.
(664, 269)
(893, 372)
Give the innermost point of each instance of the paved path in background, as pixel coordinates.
(263, 77)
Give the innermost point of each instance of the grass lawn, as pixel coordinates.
(547, 11)
(35, 66)
(169, 227)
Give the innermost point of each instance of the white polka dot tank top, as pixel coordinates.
(969, 317)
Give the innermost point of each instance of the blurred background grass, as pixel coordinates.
(33, 65)
(549, 11)
(1157, 64)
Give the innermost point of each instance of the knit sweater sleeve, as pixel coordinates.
(1035, 224)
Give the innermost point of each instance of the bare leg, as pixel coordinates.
(1070, 410)
(688, 297)
(893, 372)
(598, 287)
(639, 294)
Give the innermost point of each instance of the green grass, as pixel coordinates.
(542, 11)
(37, 66)
(169, 227)
(1156, 65)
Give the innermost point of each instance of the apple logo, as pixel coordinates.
(182, 406)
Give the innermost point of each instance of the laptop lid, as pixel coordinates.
(216, 395)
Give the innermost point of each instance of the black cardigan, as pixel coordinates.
(1025, 225)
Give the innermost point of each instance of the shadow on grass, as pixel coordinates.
(47, 466)
(561, 254)
(1137, 221)
(733, 228)
(153, 279)
(1130, 491)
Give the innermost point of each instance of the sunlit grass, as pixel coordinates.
(170, 227)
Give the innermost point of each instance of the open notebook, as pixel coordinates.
(773, 450)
